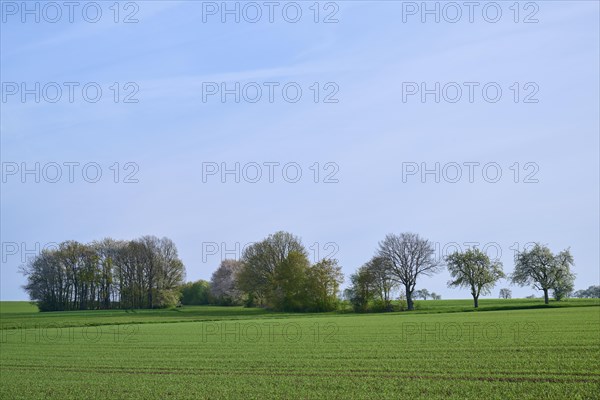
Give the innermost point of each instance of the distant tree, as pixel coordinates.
(195, 293)
(142, 273)
(362, 289)
(409, 256)
(43, 273)
(422, 293)
(435, 296)
(170, 273)
(150, 254)
(276, 273)
(563, 288)
(261, 260)
(322, 285)
(473, 269)
(505, 293)
(223, 283)
(106, 250)
(543, 270)
(289, 283)
(383, 280)
(168, 298)
(591, 292)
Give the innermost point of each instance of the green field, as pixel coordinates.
(436, 352)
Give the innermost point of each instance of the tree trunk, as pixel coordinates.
(409, 300)
(476, 301)
(545, 296)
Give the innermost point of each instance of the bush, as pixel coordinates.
(379, 305)
(402, 305)
(168, 298)
(359, 304)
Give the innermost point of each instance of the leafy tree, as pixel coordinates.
(168, 298)
(323, 282)
(383, 280)
(505, 293)
(196, 293)
(372, 286)
(288, 292)
(276, 273)
(362, 289)
(260, 262)
(435, 296)
(543, 270)
(473, 269)
(409, 256)
(563, 288)
(171, 272)
(142, 273)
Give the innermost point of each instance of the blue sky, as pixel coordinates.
(170, 55)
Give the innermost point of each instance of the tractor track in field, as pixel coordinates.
(347, 373)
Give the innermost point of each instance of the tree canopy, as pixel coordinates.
(142, 273)
(473, 269)
(539, 268)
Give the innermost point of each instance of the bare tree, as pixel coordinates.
(505, 293)
(409, 256)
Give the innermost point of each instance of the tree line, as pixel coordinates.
(402, 259)
(141, 273)
(592, 292)
(274, 273)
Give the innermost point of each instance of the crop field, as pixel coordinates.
(221, 352)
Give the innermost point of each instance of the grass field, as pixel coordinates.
(436, 352)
